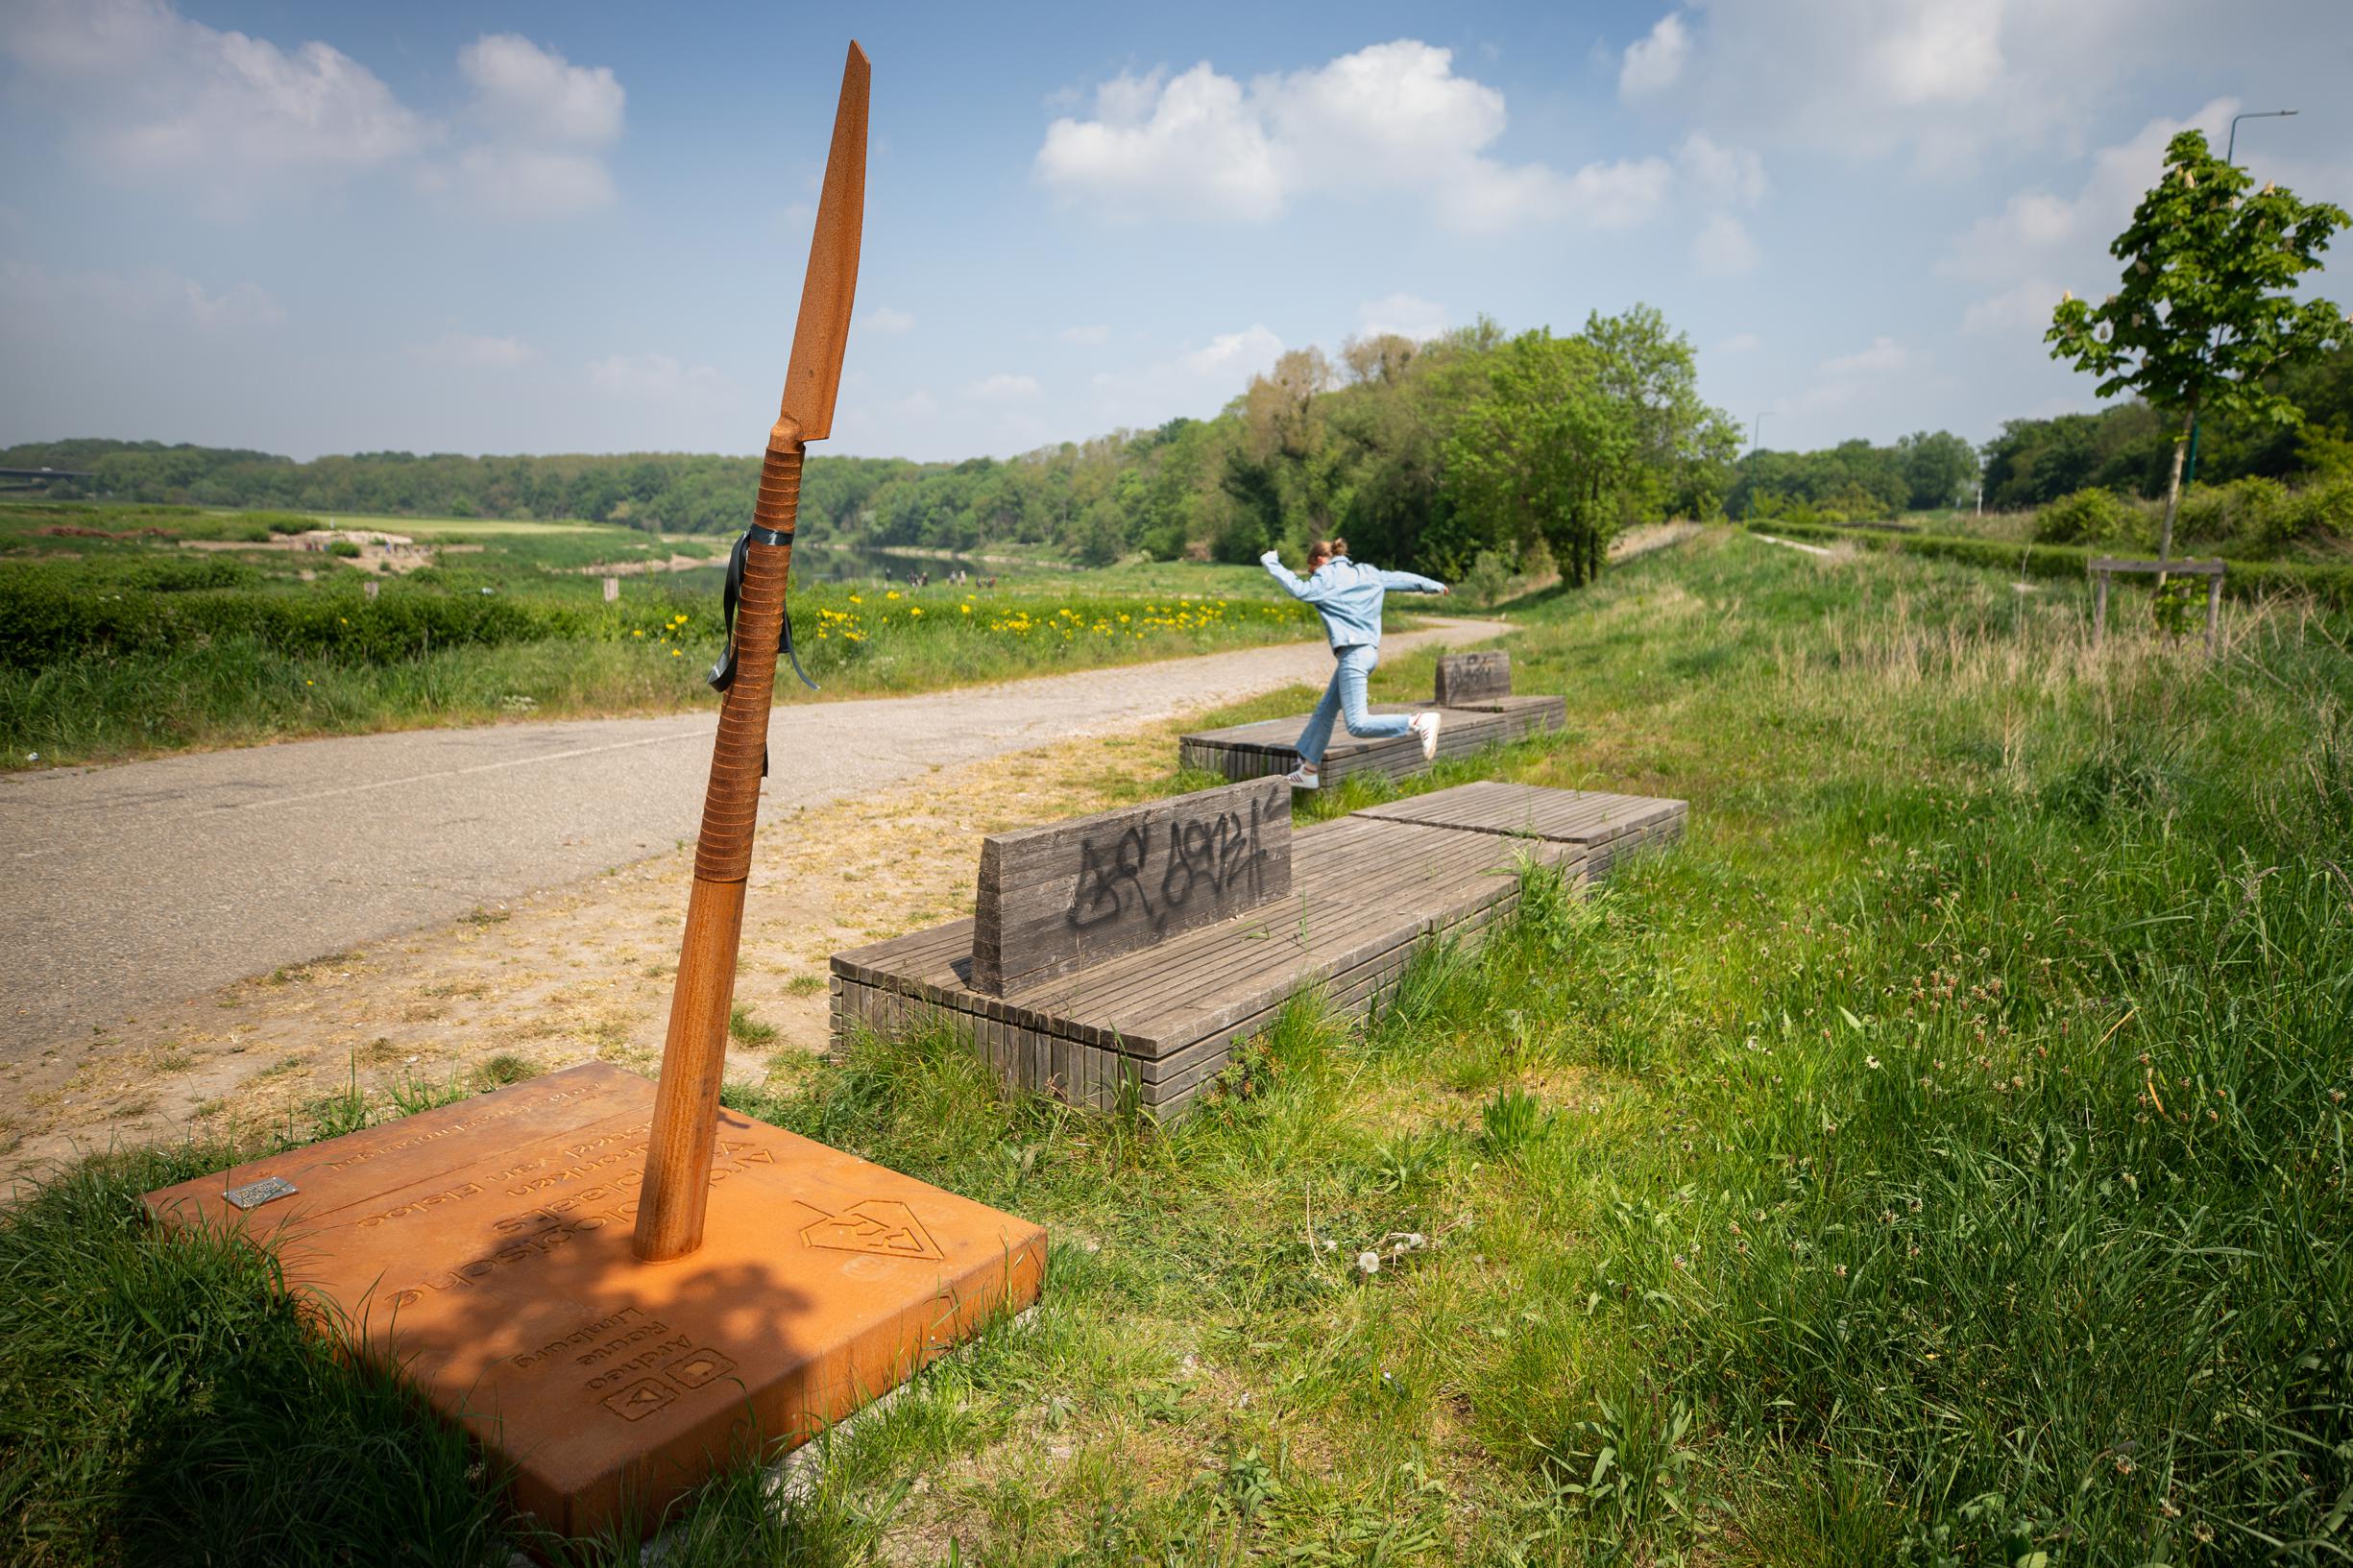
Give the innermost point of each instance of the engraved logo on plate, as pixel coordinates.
(877, 1225)
(697, 1368)
(640, 1398)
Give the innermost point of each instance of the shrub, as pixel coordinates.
(343, 550)
(1851, 503)
(2091, 517)
(2320, 514)
(1487, 582)
(45, 620)
(2252, 511)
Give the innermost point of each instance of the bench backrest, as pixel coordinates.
(1474, 677)
(1057, 898)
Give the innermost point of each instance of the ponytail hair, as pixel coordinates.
(1327, 547)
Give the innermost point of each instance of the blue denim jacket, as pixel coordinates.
(1348, 597)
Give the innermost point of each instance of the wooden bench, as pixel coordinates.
(1482, 682)
(1157, 1022)
(1475, 707)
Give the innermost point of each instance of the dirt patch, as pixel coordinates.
(562, 977)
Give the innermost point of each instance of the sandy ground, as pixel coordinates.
(562, 975)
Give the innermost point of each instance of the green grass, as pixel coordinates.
(1938, 1158)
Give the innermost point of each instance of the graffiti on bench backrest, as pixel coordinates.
(1055, 899)
(1221, 855)
(1474, 677)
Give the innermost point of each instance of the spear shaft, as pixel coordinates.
(677, 1184)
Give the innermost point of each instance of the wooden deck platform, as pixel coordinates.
(1606, 827)
(1161, 1021)
(1269, 746)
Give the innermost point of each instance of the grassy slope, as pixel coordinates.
(1938, 1158)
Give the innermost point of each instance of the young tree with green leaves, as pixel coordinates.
(2206, 310)
(1549, 453)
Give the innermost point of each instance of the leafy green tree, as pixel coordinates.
(1548, 452)
(1939, 469)
(2206, 312)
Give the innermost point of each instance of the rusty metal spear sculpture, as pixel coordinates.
(671, 1206)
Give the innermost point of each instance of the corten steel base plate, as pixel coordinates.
(486, 1246)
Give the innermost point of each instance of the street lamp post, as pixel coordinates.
(2230, 156)
(1756, 444)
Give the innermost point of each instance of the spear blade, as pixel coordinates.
(814, 375)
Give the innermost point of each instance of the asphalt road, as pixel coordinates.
(155, 881)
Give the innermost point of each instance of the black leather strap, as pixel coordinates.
(723, 673)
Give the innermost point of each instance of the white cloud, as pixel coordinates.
(1653, 62)
(1390, 120)
(1724, 249)
(546, 124)
(1085, 336)
(1244, 354)
(1947, 82)
(532, 181)
(655, 377)
(1005, 387)
(883, 318)
(1739, 343)
(1403, 314)
(1845, 380)
(149, 294)
(1192, 143)
(152, 95)
(529, 94)
(1198, 380)
(468, 351)
(1883, 356)
(2038, 232)
(1723, 175)
(2022, 312)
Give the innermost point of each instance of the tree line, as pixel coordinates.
(2128, 447)
(1422, 453)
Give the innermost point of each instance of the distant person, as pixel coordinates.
(1348, 597)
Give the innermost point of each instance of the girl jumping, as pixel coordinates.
(1348, 597)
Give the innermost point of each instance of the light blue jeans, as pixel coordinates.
(1344, 697)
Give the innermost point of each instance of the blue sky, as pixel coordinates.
(559, 227)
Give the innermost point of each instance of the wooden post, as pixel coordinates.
(613, 590)
(373, 586)
(2099, 605)
(2213, 614)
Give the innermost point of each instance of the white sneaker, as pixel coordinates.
(1302, 777)
(1425, 725)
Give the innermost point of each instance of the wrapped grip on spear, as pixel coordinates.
(731, 805)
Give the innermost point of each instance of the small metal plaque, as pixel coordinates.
(254, 1193)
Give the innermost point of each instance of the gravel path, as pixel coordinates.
(155, 881)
